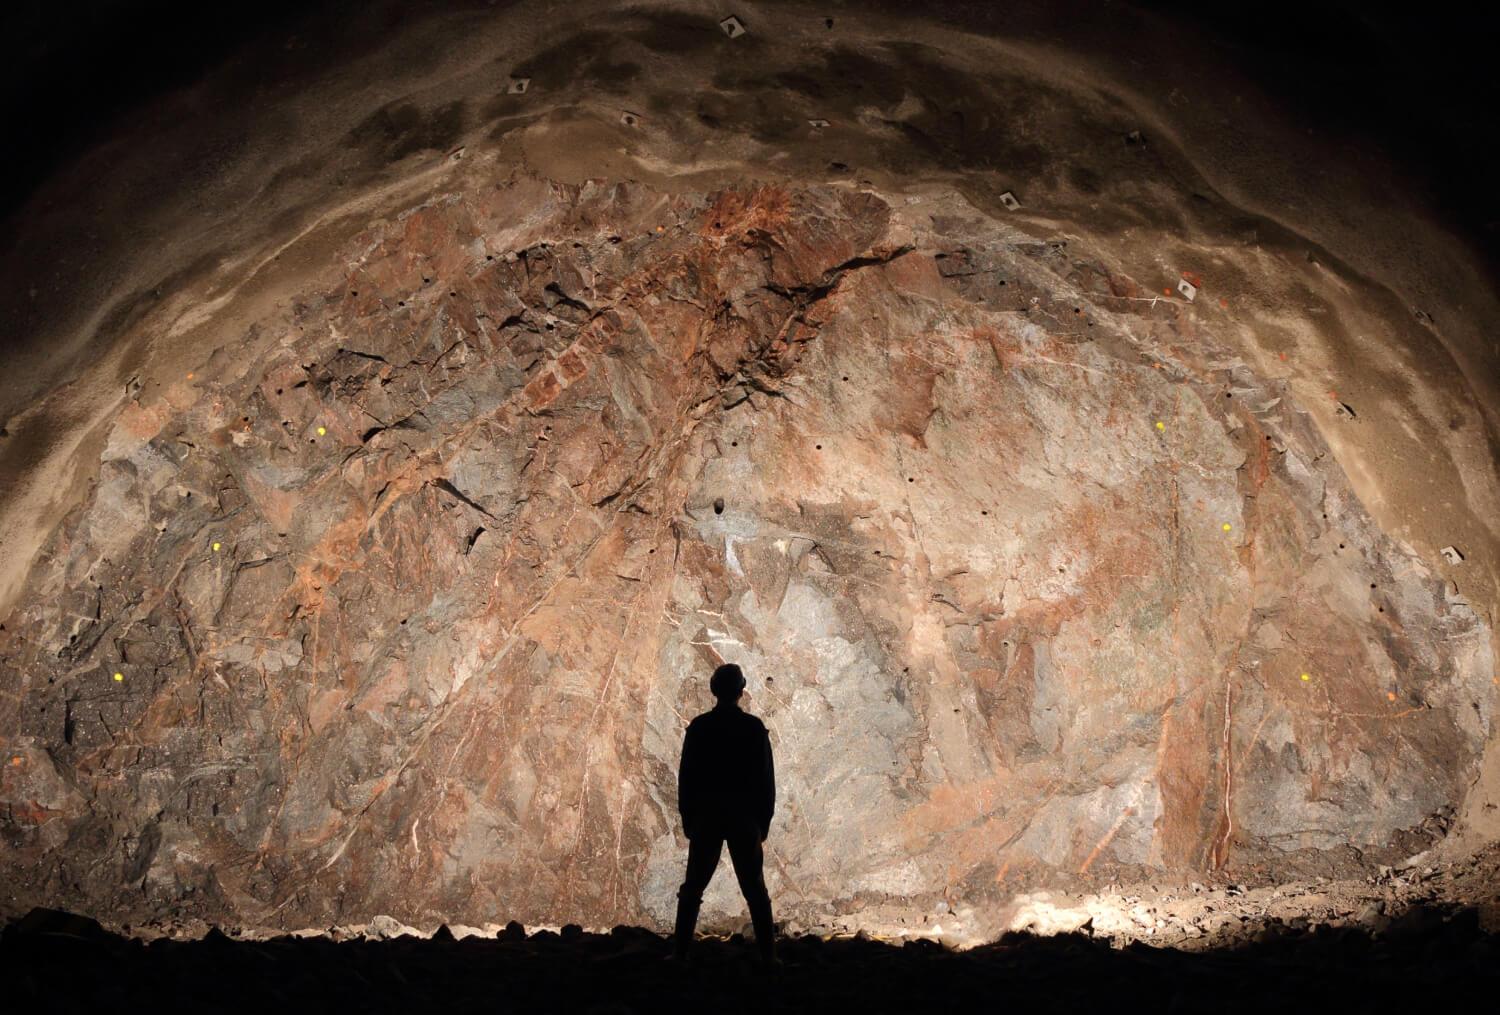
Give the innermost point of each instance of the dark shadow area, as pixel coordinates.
(1414, 80)
(53, 962)
(76, 69)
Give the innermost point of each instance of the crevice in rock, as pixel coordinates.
(447, 487)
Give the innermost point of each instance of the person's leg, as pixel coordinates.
(703, 857)
(748, 859)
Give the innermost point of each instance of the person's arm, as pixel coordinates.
(768, 786)
(687, 782)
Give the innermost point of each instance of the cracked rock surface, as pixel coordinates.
(1034, 579)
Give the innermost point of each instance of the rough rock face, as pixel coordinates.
(406, 613)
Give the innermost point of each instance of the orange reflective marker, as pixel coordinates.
(190, 375)
(1390, 695)
(16, 760)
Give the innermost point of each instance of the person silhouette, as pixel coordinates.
(726, 792)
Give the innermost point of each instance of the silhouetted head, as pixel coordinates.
(727, 683)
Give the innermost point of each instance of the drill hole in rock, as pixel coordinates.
(718, 505)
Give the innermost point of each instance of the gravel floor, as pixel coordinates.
(55, 963)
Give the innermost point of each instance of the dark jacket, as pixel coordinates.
(727, 783)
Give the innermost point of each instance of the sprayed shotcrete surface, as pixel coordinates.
(388, 585)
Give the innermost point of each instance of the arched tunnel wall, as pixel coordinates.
(386, 478)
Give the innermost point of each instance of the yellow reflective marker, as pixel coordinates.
(216, 548)
(1160, 425)
(322, 431)
(119, 677)
(1227, 526)
(1306, 677)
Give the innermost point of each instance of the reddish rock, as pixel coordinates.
(440, 662)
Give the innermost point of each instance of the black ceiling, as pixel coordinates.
(1418, 80)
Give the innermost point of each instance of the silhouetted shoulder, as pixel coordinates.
(719, 722)
(705, 723)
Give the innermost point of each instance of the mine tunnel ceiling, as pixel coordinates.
(1415, 81)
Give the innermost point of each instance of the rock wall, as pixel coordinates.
(403, 608)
